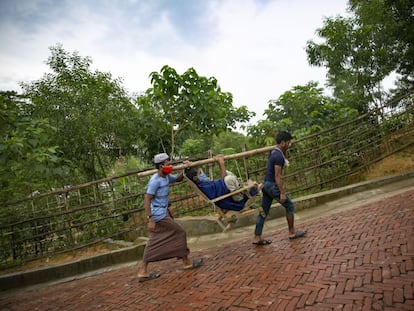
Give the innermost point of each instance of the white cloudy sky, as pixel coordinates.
(255, 48)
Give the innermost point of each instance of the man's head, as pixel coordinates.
(162, 161)
(283, 140)
(192, 173)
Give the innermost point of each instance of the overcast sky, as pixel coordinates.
(254, 48)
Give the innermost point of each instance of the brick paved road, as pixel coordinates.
(361, 259)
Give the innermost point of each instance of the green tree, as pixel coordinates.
(194, 147)
(94, 118)
(179, 106)
(393, 23)
(29, 161)
(303, 110)
(229, 140)
(361, 51)
(222, 143)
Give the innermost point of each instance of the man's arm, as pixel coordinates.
(279, 183)
(147, 206)
(220, 161)
(180, 176)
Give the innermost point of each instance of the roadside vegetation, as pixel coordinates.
(74, 124)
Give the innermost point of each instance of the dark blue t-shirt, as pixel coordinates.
(275, 158)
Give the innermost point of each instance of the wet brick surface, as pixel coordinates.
(361, 259)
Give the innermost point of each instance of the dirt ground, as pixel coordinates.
(398, 163)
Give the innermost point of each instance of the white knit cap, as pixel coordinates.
(161, 157)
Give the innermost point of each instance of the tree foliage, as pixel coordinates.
(193, 147)
(224, 143)
(179, 106)
(303, 110)
(361, 51)
(29, 161)
(94, 118)
(229, 140)
(395, 20)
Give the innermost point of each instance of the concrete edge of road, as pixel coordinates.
(193, 225)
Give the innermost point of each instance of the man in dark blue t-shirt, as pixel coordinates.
(273, 188)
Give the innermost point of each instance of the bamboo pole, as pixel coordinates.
(211, 160)
(145, 173)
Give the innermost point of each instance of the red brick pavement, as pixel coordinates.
(362, 259)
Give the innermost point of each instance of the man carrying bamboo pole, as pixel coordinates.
(273, 188)
(167, 239)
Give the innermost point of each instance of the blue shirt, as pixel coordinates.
(159, 187)
(275, 158)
